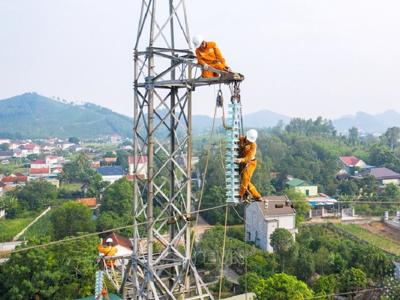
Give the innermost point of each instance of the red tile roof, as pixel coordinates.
(349, 160)
(38, 162)
(39, 171)
(89, 202)
(137, 159)
(15, 178)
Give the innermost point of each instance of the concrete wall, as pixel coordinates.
(259, 229)
(387, 181)
(312, 190)
(112, 178)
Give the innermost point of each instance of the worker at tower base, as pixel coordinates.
(108, 250)
(247, 165)
(209, 55)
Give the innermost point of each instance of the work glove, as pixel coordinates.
(205, 67)
(238, 160)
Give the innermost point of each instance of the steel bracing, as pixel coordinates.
(164, 77)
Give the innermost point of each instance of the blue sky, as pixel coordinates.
(300, 57)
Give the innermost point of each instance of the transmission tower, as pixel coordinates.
(165, 76)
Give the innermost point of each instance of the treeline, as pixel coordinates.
(306, 149)
(320, 262)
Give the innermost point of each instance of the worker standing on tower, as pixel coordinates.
(209, 55)
(247, 164)
(108, 250)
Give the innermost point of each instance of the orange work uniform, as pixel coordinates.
(248, 164)
(212, 56)
(108, 251)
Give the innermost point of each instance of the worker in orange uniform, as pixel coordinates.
(108, 250)
(209, 55)
(247, 164)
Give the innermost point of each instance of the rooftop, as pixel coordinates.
(110, 170)
(297, 182)
(276, 205)
(349, 160)
(381, 173)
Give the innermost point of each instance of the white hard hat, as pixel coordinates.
(109, 240)
(197, 40)
(251, 135)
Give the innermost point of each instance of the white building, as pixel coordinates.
(141, 163)
(262, 218)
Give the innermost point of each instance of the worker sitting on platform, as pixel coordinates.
(247, 164)
(108, 250)
(209, 55)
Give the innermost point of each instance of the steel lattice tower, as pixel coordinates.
(164, 78)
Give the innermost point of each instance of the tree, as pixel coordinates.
(78, 170)
(353, 136)
(63, 271)
(321, 260)
(299, 203)
(263, 264)
(249, 281)
(305, 266)
(282, 242)
(352, 280)
(73, 140)
(10, 204)
(325, 285)
(391, 193)
(282, 287)
(70, 219)
(36, 195)
(118, 198)
(392, 136)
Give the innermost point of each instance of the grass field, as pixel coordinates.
(10, 228)
(41, 228)
(379, 241)
(71, 187)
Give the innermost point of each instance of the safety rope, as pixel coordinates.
(203, 181)
(221, 274)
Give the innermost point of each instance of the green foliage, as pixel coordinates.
(11, 227)
(352, 280)
(117, 198)
(325, 285)
(282, 287)
(300, 204)
(283, 244)
(35, 195)
(70, 219)
(77, 170)
(263, 264)
(304, 265)
(63, 271)
(249, 281)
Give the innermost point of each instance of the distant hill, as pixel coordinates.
(34, 116)
(367, 122)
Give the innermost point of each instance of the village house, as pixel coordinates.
(350, 165)
(267, 215)
(383, 175)
(111, 173)
(303, 186)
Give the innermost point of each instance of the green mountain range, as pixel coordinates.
(34, 116)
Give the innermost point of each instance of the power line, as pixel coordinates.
(74, 238)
